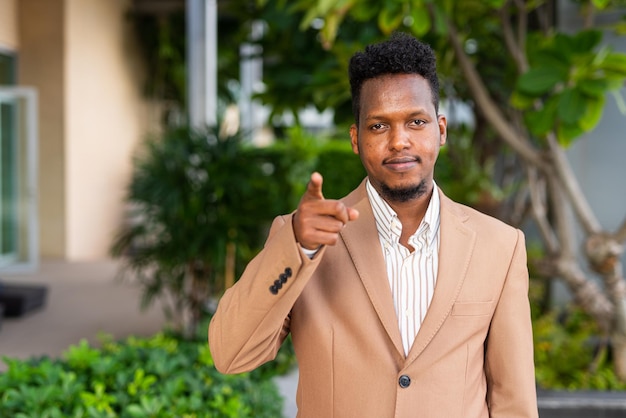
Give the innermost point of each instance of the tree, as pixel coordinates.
(548, 88)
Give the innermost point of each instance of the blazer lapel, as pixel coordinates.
(362, 242)
(455, 251)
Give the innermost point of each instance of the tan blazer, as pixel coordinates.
(473, 355)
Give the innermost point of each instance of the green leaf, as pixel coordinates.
(329, 31)
(310, 15)
(389, 19)
(521, 101)
(615, 63)
(566, 133)
(586, 41)
(324, 6)
(564, 44)
(601, 4)
(593, 113)
(542, 121)
(594, 87)
(572, 105)
(421, 20)
(538, 81)
(363, 11)
(551, 58)
(614, 82)
(496, 4)
(440, 22)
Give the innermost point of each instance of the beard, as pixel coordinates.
(403, 194)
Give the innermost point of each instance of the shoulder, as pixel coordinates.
(481, 223)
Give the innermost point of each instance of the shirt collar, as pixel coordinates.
(388, 224)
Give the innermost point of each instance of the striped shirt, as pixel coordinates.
(412, 275)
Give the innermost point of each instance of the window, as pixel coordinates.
(18, 130)
(7, 69)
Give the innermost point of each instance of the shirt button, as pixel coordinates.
(404, 381)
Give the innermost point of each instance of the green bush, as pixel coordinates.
(161, 376)
(570, 354)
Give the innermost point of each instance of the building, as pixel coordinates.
(71, 115)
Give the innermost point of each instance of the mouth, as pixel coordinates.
(401, 163)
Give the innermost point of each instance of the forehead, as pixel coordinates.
(394, 92)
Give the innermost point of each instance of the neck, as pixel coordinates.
(411, 213)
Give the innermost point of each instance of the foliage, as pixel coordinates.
(570, 355)
(161, 376)
(564, 89)
(571, 352)
(197, 199)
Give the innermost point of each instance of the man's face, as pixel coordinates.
(399, 135)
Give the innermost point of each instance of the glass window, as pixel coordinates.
(8, 184)
(7, 69)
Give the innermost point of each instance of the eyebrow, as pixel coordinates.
(416, 113)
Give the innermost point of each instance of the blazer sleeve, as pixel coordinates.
(252, 317)
(509, 363)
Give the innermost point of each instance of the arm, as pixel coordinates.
(509, 363)
(251, 320)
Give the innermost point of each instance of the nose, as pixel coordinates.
(398, 139)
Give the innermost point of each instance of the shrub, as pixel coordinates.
(570, 353)
(161, 376)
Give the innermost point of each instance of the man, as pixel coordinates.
(400, 302)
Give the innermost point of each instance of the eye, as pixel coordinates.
(377, 127)
(418, 122)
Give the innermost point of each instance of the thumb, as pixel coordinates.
(314, 188)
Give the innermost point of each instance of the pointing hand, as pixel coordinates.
(318, 221)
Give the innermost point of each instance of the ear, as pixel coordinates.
(354, 138)
(443, 129)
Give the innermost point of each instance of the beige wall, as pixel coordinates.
(41, 58)
(105, 118)
(80, 56)
(8, 25)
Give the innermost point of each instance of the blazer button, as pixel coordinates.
(274, 290)
(404, 381)
(288, 271)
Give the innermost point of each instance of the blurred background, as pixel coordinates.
(146, 145)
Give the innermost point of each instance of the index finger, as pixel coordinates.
(314, 188)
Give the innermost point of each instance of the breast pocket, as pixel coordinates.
(472, 308)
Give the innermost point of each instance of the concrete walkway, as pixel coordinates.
(84, 300)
